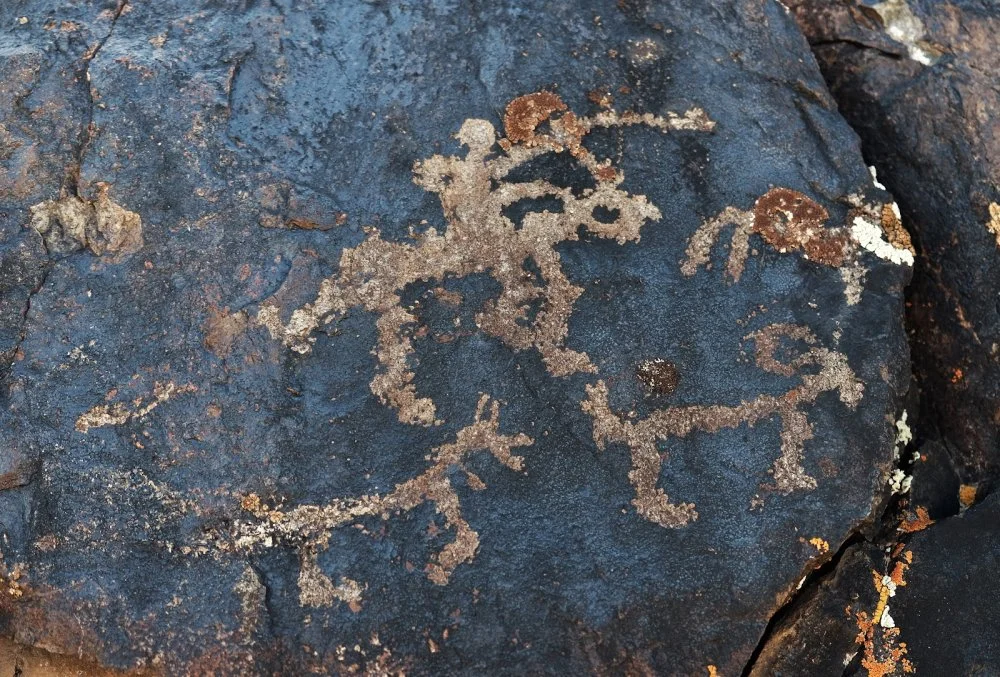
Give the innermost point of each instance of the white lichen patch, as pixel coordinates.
(899, 481)
(903, 433)
(906, 28)
(887, 621)
(875, 181)
(890, 585)
(871, 238)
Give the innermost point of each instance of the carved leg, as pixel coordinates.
(650, 501)
(393, 385)
(789, 474)
(699, 249)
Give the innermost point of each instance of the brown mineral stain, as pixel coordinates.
(306, 224)
(20, 660)
(18, 477)
(222, 328)
(452, 298)
(601, 98)
(659, 376)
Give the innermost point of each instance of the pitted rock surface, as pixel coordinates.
(432, 338)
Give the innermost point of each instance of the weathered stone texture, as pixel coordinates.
(446, 337)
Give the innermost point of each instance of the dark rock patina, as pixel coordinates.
(918, 81)
(432, 338)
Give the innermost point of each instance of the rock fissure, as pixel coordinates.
(88, 130)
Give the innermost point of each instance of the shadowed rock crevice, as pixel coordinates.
(88, 129)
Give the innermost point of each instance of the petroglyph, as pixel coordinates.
(118, 413)
(311, 525)
(642, 437)
(532, 311)
(479, 237)
(790, 221)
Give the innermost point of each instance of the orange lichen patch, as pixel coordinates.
(919, 522)
(966, 495)
(102, 226)
(884, 654)
(993, 225)
(474, 195)
(821, 546)
(895, 233)
(788, 220)
(899, 570)
(118, 413)
(712, 671)
(643, 436)
(310, 526)
(957, 375)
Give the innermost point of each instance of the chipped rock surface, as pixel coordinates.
(432, 338)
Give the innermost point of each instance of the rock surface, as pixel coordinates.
(925, 603)
(431, 338)
(918, 81)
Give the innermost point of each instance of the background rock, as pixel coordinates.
(923, 106)
(918, 82)
(186, 447)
